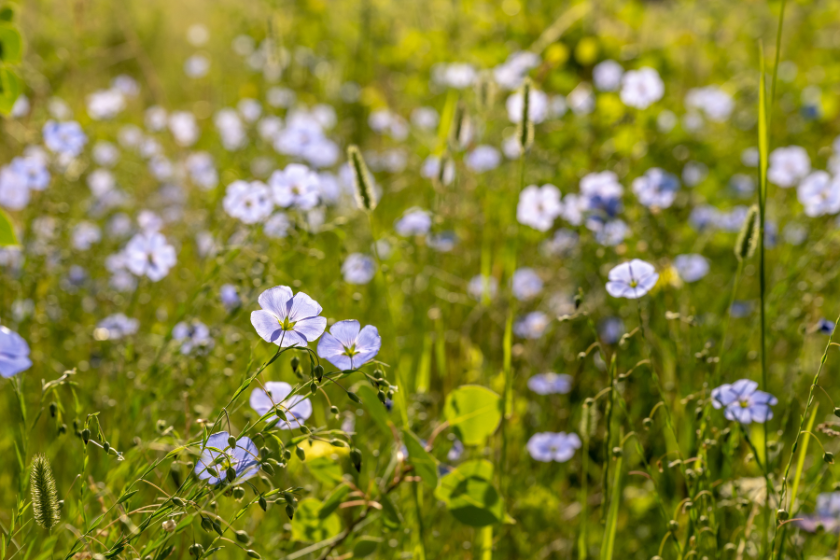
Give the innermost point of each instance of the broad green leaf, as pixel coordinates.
(376, 409)
(307, 525)
(11, 44)
(470, 495)
(391, 517)
(423, 463)
(474, 412)
(7, 231)
(325, 470)
(332, 501)
(9, 89)
(365, 546)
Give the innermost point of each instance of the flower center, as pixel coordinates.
(634, 283)
(350, 350)
(744, 403)
(286, 325)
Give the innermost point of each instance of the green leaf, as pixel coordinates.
(376, 409)
(423, 463)
(333, 500)
(365, 546)
(474, 412)
(7, 231)
(9, 89)
(391, 517)
(325, 470)
(11, 44)
(126, 496)
(307, 525)
(470, 495)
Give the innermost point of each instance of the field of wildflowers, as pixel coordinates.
(333, 279)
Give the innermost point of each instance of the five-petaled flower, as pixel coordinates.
(743, 402)
(347, 346)
(547, 446)
(632, 279)
(288, 320)
(217, 457)
(296, 408)
(14, 353)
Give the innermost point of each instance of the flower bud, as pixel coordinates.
(232, 442)
(196, 550)
(238, 492)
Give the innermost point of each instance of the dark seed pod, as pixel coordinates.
(319, 372)
(206, 524)
(268, 469)
(333, 409)
(356, 459)
(86, 436)
(253, 554)
(53, 409)
(829, 457)
(354, 397)
(264, 453)
(196, 550)
(300, 453)
(232, 442)
(238, 493)
(242, 537)
(230, 474)
(782, 514)
(217, 526)
(263, 503)
(295, 363)
(178, 501)
(290, 511)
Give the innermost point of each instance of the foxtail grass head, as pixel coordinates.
(362, 181)
(748, 237)
(44, 495)
(525, 128)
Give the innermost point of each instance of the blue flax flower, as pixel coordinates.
(744, 402)
(217, 457)
(550, 383)
(14, 353)
(288, 320)
(347, 346)
(548, 446)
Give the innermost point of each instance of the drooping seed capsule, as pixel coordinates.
(319, 372)
(263, 503)
(230, 474)
(242, 537)
(232, 442)
(356, 459)
(353, 397)
(748, 236)
(53, 409)
(86, 436)
(362, 180)
(300, 453)
(238, 492)
(295, 363)
(206, 524)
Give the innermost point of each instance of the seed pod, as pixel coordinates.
(333, 409)
(304, 429)
(354, 397)
(217, 526)
(238, 493)
(86, 436)
(300, 453)
(242, 537)
(673, 525)
(525, 128)
(206, 524)
(617, 452)
(106, 447)
(319, 372)
(253, 554)
(178, 501)
(748, 237)
(264, 453)
(45, 506)
(829, 457)
(196, 550)
(53, 409)
(263, 503)
(290, 511)
(230, 474)
(381, 396)
(232, 442)
(313, 387)
(356, 459)
(268, 468)
(169, 525)
(782, 514)
(362, 180)
(837, 412)
(62, 429)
